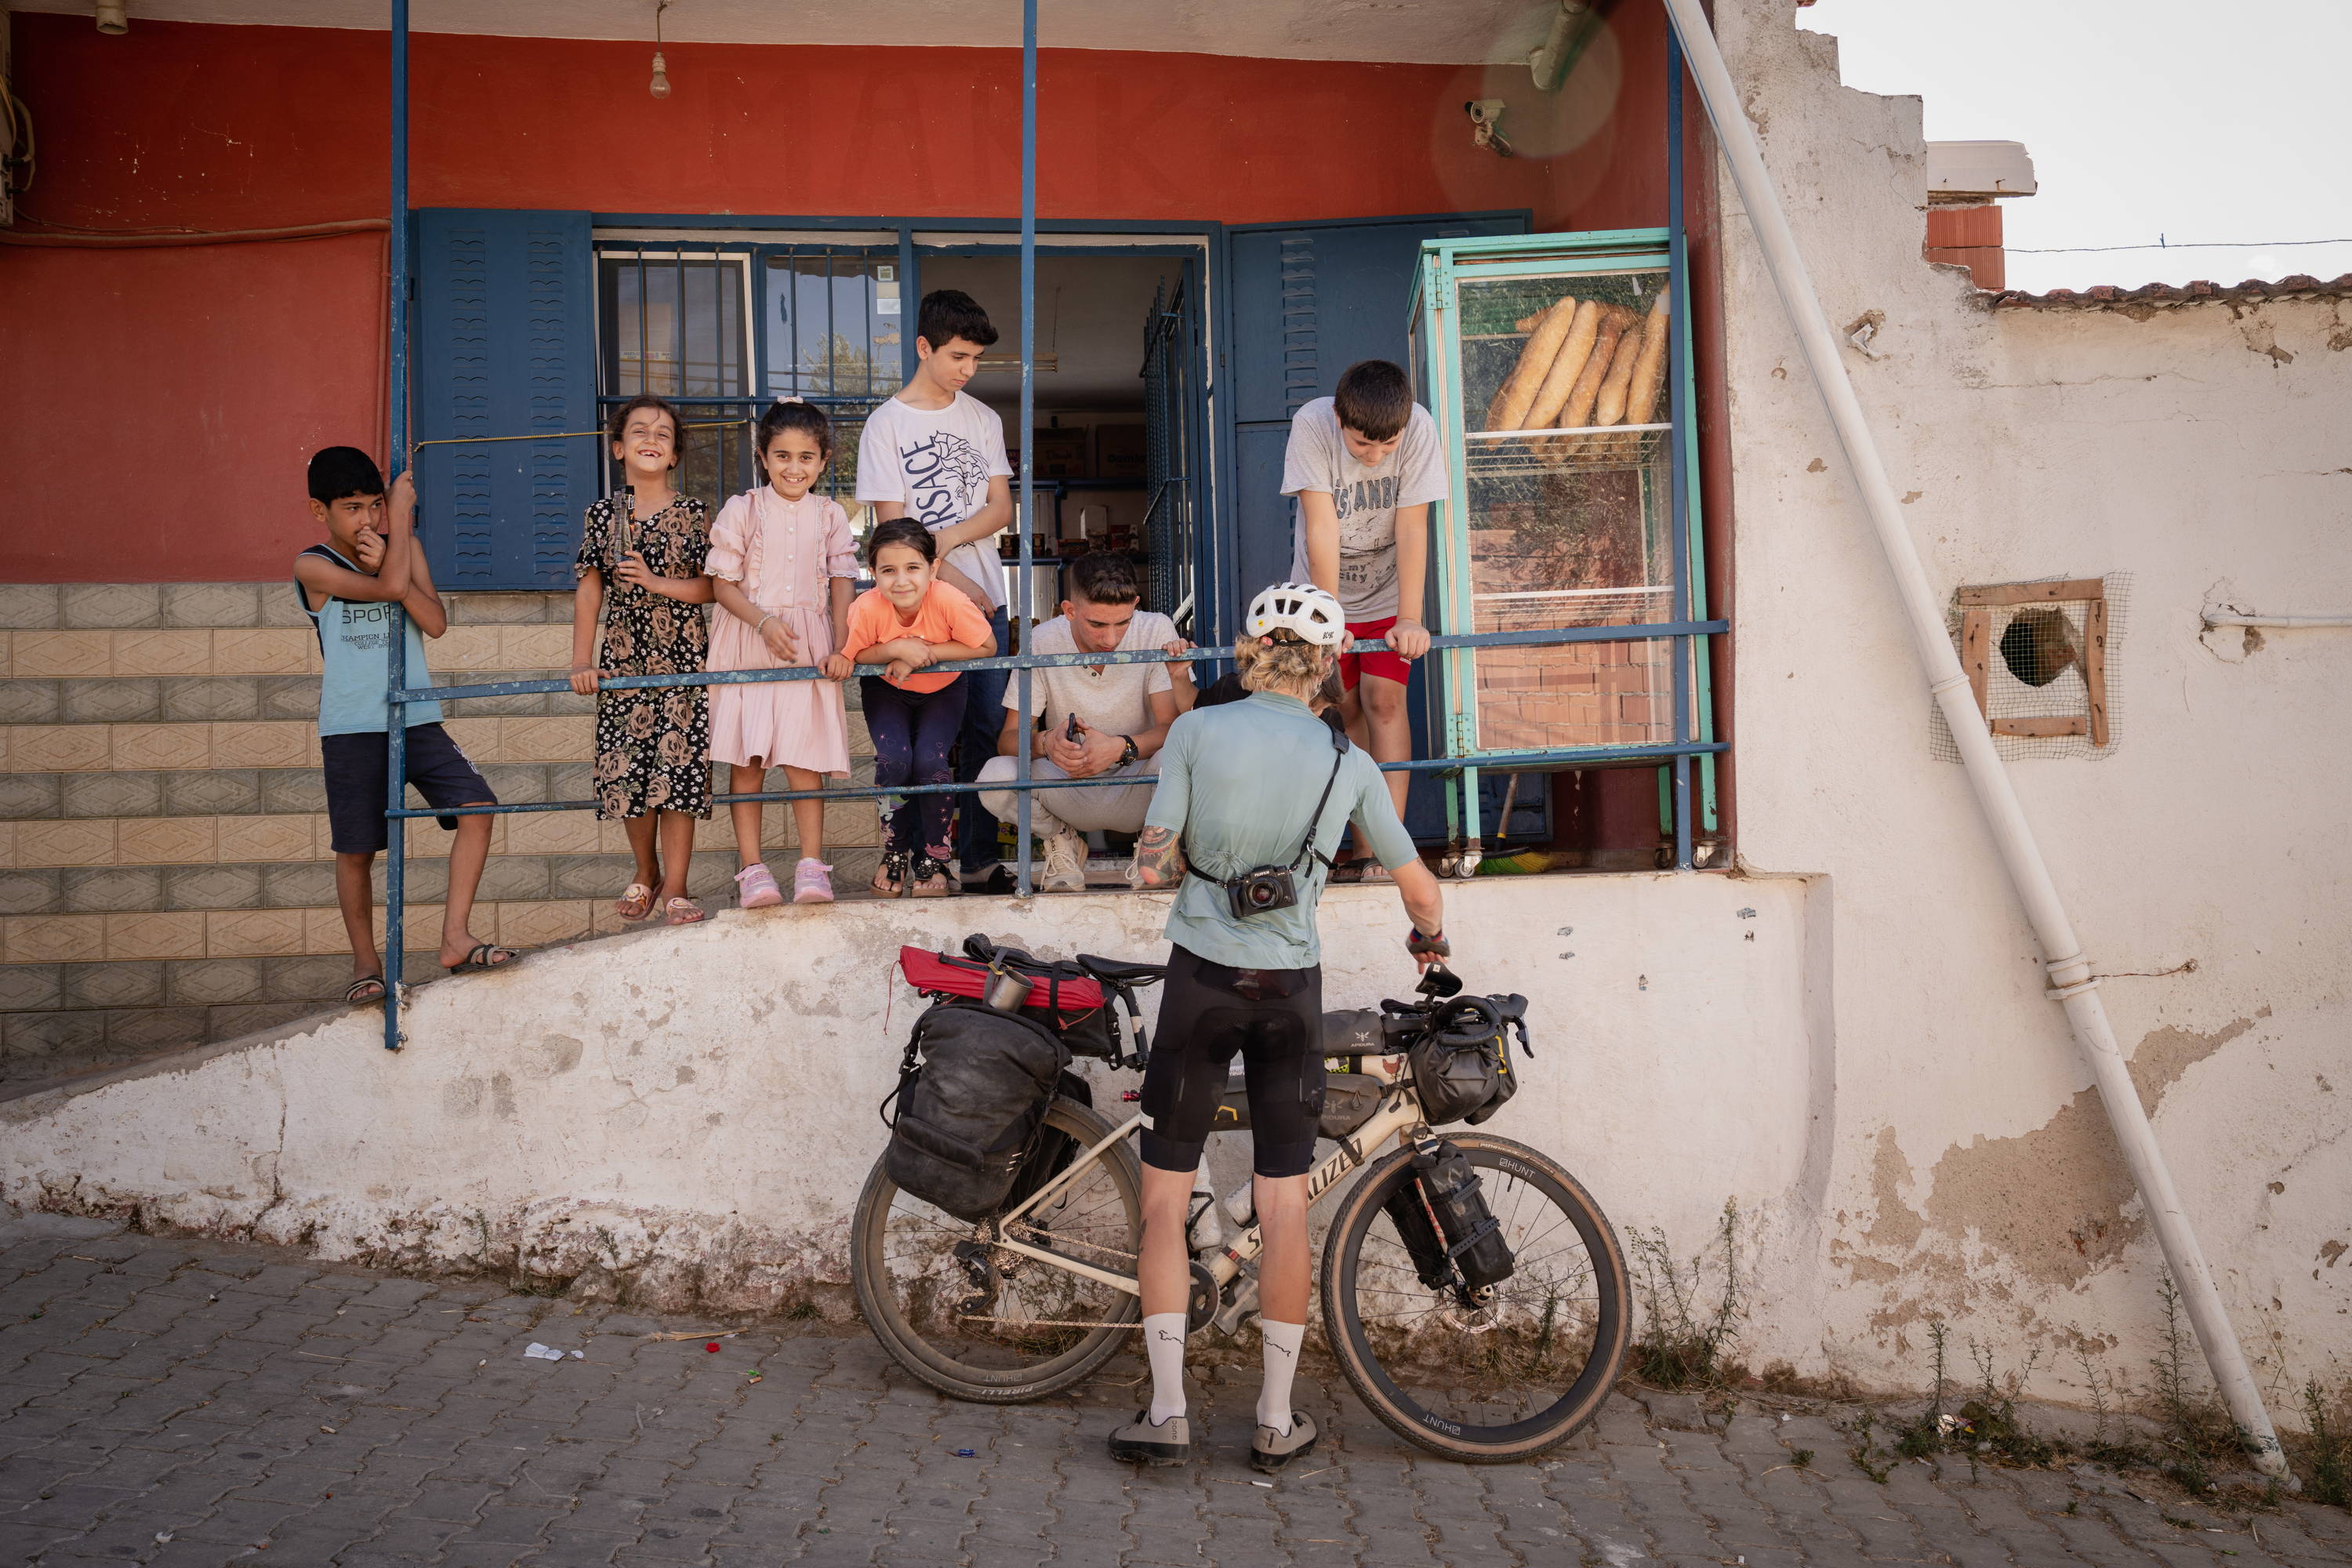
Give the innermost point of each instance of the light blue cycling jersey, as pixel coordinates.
(1237, 782)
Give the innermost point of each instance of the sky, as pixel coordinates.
(2144, 118)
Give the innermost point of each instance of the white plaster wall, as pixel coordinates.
(693, 1110)
(1848, 1037)
(2201, 450)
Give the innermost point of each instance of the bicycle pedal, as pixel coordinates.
(1228, 1318)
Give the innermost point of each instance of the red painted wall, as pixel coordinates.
(183, 388)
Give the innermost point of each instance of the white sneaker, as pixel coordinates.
(1066, 861)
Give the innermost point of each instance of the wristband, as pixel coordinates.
(764, 623)
(1435, 944)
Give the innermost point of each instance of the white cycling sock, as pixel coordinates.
(1163, 1342)
(1282, 1342)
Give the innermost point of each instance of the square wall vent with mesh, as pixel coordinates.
(2041, 660)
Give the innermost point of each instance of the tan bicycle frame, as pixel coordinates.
(1400, 1113)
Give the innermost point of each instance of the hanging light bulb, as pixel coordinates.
(659, 86)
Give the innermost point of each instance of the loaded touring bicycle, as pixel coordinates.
(1473, 1293)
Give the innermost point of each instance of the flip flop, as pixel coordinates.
(683, 912)
(351, 993)
(483, 959)
(635, 902)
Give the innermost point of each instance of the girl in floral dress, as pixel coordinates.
(781, 563)
(641, 554)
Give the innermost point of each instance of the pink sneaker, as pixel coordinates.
(812, 882)
(756, 888)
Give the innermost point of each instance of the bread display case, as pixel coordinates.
(1557, 368)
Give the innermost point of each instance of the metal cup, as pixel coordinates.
(1006, 991)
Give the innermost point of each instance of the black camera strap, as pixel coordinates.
(1314, 822)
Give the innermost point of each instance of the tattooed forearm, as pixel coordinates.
(1158, 859)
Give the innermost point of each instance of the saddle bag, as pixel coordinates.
(1462, 1062)
(969, 1112)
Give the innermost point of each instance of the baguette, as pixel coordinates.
(1650, 370)
(1527, 323)
(1610, 406)
(1519, 389)
(1565, 367)
(1578, 410)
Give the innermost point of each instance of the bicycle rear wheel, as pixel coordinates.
(979, 1321)
(1517, 1374)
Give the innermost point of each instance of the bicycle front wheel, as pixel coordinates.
(980, 1321)
(1523, 1370)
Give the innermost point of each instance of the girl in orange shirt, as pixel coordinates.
(908, 621)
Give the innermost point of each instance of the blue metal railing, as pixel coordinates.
(1024, 786)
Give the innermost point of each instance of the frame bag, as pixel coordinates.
(968, 1116)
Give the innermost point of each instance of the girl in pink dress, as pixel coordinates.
(781, 563)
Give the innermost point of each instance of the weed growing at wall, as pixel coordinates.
(2328, 1460)
(1684, 1341)
(1986, 1429)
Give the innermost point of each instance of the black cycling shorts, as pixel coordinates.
(1273, 1017)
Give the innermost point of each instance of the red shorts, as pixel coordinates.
(1387, 666)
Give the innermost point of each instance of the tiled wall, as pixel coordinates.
(165, 877)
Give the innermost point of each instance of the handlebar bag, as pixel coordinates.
(970, 1112)
(1462, 1064)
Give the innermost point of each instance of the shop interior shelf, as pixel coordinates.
(1521, 454)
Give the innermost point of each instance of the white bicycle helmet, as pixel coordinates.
(1300, 608)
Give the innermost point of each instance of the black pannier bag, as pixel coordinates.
(968, 1117)
(1462, 1063)
(1446, 1186)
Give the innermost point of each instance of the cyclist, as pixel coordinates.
(1251, 795)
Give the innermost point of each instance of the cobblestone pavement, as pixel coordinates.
(189, 1403)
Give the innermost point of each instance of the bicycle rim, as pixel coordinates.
(1519, 1374)
(1009, 1334)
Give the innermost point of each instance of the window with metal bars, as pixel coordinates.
(722, 329)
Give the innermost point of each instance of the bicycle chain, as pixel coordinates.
(1045, 1238)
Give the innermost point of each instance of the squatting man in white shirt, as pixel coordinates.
(1119, 713)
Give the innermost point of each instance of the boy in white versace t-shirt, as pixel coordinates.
(936, 454)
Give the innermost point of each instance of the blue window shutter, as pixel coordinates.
(1309, 300)
(504, 345)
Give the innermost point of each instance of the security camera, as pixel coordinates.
(1486, 122)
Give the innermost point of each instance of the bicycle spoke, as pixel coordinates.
(1515, 1352)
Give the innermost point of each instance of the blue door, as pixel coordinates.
(1309, 300)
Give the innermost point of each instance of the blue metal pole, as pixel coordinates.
(396, 619)
(1678, 413)
(1022, 591)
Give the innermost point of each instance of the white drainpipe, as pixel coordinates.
(2071, 983)
(2288, 622)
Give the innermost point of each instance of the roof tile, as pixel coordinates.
(2108, 297)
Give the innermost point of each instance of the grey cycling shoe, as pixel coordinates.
(1270, 1450)
(1170, 1443)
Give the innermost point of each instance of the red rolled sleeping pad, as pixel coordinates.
(1061, 1002)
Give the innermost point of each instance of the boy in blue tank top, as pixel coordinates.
(349, 586)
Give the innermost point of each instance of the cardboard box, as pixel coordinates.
(1118, 451)
(1060, 454)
